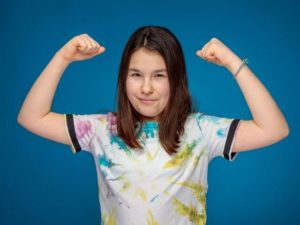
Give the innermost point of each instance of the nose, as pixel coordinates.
(147, 87)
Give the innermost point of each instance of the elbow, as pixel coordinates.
(283, 131)
(278, 135)
(286, 132)
(20, 121)
(25, 123)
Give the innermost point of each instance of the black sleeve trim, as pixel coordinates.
(229, 140)
(71, 129)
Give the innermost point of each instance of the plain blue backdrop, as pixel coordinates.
(43, 182)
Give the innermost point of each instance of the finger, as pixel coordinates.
(100, 50)
(97, 46)
(203, 52)
(209, 57)
(81, 44)
(205, 48)
(89, 43)
(94, 45)
(210, 54)
(200, 53)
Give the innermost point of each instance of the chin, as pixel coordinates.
(149, 116)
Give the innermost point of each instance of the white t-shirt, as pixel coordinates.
(150, 186)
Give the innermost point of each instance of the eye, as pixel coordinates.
(159, 75)
(135, 75)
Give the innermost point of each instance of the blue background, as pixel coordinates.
(43, 182)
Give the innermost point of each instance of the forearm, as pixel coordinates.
(265, 112)
(39, 99)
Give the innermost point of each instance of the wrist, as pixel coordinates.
(234, 64)
(62, 59)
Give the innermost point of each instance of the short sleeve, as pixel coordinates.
(218, 134)
(83, 130)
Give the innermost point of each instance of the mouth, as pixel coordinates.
(147, 101)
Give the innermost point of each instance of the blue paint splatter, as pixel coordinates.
(122, 145)
(152, 200)
(150, 129)
(104, 161)
(221, 132)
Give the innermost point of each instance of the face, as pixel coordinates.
(147, 83)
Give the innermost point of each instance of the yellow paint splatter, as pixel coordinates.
(109, 219)
(196, 160)
(151, 220)
(102, 120)
(195, 217)
(126, 186)
(181, 156)
(142, 194)
(150, 157)
(198, 189)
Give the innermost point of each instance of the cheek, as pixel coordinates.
(131, 90)
(165, 90)
(129, 87)
(126, 87)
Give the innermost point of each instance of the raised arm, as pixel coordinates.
(268, 125)
(35, 114)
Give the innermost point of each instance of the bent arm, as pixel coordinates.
(35, 113)
(268, 125)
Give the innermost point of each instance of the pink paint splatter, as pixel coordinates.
(112, 123)
(83, 127)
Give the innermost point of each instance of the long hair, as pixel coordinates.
(179, 106)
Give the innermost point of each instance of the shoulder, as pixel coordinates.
(195, 117)
(89, 117)
(202, 118)
(94, 120)
(202, 121)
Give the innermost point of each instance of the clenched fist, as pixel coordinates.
(217, 52)
(80, 47)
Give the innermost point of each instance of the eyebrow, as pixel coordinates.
(155, 71)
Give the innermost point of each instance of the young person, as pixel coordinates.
(152, 154)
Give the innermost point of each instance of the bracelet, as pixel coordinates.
(245, 62)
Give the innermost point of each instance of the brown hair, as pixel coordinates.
(173, 117)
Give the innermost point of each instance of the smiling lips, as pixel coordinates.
(147, 101)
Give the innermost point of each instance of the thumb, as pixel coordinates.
(100, 50)
(200, 53)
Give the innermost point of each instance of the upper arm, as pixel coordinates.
(52, 126)
(250, 136)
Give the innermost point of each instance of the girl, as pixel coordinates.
(152, 155)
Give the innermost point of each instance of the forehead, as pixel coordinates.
(144, 58)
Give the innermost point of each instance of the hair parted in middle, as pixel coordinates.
(173, 117)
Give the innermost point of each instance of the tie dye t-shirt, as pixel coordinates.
(150, 187)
